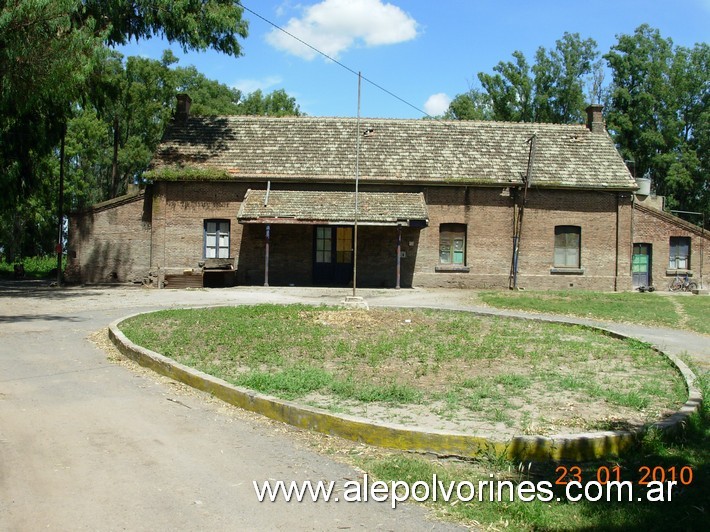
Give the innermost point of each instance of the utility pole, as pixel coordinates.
(60, 207)
(354, 300)
(357, 183)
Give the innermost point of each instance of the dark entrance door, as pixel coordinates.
(641, 265)
(333, 255)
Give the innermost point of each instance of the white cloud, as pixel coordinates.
(250, 85)
(437, 104)
(333, 26)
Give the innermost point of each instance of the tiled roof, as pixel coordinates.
(332, 207)
(403, 151)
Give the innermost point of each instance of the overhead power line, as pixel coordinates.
(339, 63)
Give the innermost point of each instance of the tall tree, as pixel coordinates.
(209, 97)
(277, 103)
(658, 110)
(640, 89)
(49, 50)
(510, 89)
(560, 76)
(44, 63)
(195, 25)
(471, 105)
(552, 90)
(117, 127)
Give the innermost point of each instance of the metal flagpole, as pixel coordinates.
(357, 182)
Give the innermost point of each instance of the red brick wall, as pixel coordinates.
(178, 244)
(178, 211)
(110, 243)
(657, 229)
(488, 214)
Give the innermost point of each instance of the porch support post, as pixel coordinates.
(399, 254)
(266, 256)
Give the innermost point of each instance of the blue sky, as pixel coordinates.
(423, 51)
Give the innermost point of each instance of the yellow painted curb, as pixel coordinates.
(574, 447)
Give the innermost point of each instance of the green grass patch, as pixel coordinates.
(697, 312)
(630, 307)
(455, 364)
(687, 509)
(35, 267)
(451, 362)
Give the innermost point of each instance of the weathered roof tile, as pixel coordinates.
(302, 206)
(427, 151)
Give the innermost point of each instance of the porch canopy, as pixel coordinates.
(333, 208)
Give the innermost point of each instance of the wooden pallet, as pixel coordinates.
(183, 281)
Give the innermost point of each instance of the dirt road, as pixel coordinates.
(87, 444)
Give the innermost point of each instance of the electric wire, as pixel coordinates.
(339, 63)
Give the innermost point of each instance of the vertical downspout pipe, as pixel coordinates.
(616, 251)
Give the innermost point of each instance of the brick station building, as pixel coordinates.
(255, 200)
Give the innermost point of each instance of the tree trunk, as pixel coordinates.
(114, 166)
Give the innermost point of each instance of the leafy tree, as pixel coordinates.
(49, 53)
(640, 65)
(471, 105)
(215, 24)
(44, 63)
(278, 103)
(510, 90)
(552, 90)
(658, 111)
(209, 97)
(559, 79)
(117, 128)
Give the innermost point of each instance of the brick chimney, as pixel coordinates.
(595, 118)
(182, 112)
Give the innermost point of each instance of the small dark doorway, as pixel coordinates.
(332, 255)
(641, 265)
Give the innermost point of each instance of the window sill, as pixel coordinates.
(567, 271)
(452, 269)
(674, 272)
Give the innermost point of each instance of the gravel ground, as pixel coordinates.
(90, 444)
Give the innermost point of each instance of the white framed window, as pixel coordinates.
(324, 244)
(216, 239)
(679, 253)
(567, 246)
(452, 244)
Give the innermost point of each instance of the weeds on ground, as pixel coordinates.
(35, 267)
(263, 342)
(457, 364)
(631, 307)
(658, 456)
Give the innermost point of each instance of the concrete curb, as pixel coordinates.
(573, 447)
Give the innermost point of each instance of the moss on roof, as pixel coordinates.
(391, 151)
(186, 173)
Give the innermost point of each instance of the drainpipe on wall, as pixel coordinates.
(616, 259)
(631, 244)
